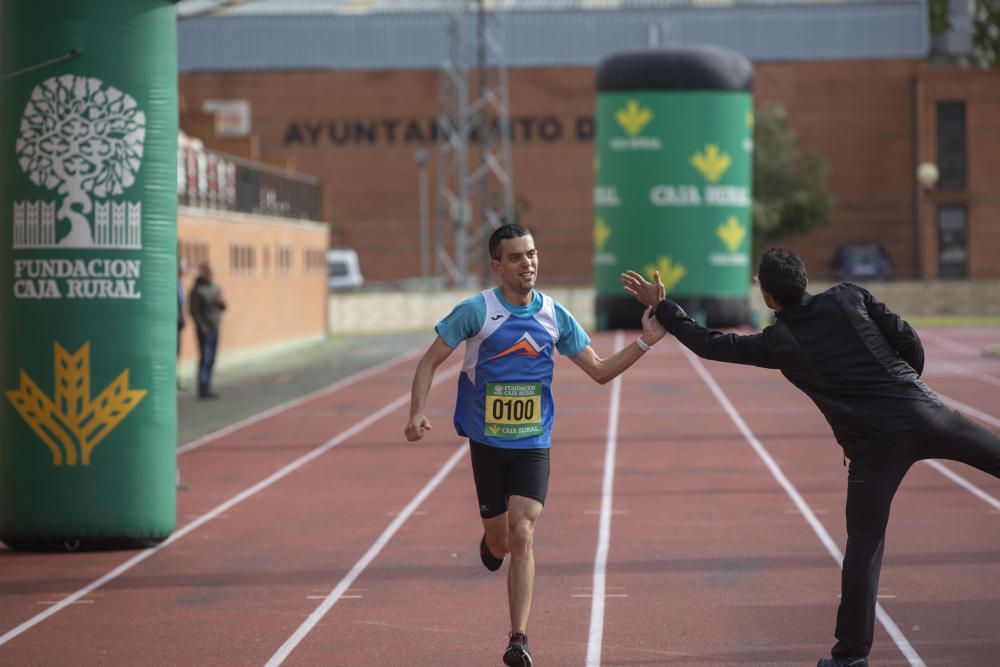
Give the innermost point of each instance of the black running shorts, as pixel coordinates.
(501, 473)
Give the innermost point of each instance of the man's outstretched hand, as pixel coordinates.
(647, 293)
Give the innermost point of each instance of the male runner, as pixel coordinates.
(505, 405)
(860, 363)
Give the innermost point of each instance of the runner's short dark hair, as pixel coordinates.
(783, 276)
(507, 231)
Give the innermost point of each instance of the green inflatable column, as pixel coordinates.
(88, 277)
(673, 181)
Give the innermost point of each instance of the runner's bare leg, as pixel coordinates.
(522, 514)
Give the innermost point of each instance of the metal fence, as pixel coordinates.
(213, 180)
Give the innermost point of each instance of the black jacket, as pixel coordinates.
(857, 360)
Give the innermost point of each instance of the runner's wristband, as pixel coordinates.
(643, 345)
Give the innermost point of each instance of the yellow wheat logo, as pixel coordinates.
(731, 233)
(712, 163)
(73, 422)
(601, 233)
(633, 118)
(670, 273)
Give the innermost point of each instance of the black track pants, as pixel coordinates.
(872, 481)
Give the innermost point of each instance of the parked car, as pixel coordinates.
(343, 269)
(862, 261)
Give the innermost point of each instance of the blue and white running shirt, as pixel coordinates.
(504, 389)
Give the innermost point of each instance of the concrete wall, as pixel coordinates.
(359, 312)
(928, 298)
(356, 312)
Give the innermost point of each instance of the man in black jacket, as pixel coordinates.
(206, 304)
(860, 363)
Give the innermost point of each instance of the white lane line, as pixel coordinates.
(897, 635)
(950, 345)
(951, 474)
(295, 402)
(217, 511)
(604, 532)
(338, 591)
(964, 483)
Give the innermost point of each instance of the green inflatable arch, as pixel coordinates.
(88, 243)
(673, 177)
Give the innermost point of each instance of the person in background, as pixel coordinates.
(206, 305)
(181, 319)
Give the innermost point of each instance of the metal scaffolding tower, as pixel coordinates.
(471, 202)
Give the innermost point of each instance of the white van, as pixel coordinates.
(343, 269)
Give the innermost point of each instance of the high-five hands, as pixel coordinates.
(652, 330)
(647, 293)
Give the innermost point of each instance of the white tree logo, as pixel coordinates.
(82, 139)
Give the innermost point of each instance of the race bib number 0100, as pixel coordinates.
(513, 409)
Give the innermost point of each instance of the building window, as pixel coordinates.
(283, 259)
(951, 145)
(242, 259)
(191, 255)
(315, 260)
(953, 238)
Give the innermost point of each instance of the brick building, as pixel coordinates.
(349, 98)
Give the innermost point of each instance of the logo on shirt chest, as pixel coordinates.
(526, 346)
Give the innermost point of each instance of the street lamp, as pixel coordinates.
(421, 156)
(927, 175)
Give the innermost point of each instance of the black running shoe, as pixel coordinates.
(860, 661)
(517, 654)
(491, 562)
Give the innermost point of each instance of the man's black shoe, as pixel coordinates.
(517, 654)
(861, 661)
(491, 562)
(209, 394)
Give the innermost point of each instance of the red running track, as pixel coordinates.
(319, 536)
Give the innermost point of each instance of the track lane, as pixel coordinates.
(717, 568)
(739, 584)
(242, 461)
(240, 585)
(426, 597)
(35, 582)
